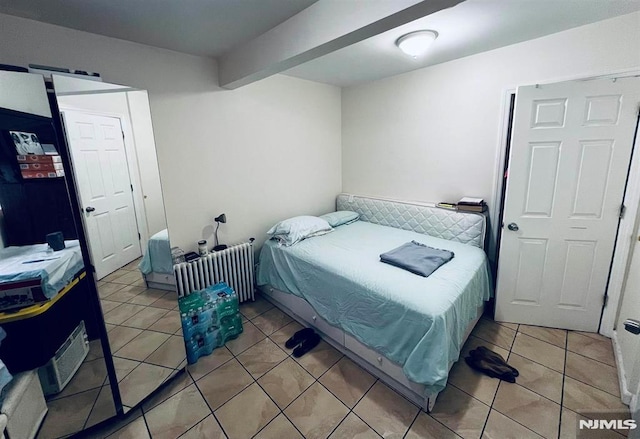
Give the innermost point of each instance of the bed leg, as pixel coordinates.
(429, 402)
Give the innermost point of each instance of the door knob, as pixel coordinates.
(513, 227)
(90, 209)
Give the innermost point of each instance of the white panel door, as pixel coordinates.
(570, 155)
(101, 171)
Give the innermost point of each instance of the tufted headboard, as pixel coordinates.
(468, 228)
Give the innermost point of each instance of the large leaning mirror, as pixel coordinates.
(110, 136)
(53, 374)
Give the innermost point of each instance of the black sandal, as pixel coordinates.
(309, 343)
(298, 338)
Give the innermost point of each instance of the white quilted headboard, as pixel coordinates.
(468, 228)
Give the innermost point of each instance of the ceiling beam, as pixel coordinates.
(322, 28)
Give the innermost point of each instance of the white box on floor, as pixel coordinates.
(24, 406)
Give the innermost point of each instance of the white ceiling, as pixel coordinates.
(471, 27)
(199, 27)
(217, 27)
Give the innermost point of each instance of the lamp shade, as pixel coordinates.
(221, 219)
(416, 43)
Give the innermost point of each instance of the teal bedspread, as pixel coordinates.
(415, 321)
(157, 258)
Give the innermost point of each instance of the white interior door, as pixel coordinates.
(101, 171)
(570, 154)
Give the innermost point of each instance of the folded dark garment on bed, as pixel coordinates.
(417, 258)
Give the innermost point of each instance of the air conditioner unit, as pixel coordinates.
(57, 373)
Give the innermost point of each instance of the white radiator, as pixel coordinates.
(234, 265)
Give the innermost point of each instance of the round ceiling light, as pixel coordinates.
(416, 43)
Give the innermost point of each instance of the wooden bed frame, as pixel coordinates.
(422, 218)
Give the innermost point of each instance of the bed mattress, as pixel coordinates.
(54, 269)
(415, 321)
(157, 258)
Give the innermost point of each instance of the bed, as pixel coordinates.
(406, 329)
(156, 265)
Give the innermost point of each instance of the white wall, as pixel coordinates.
(433, 134)
(259, 154)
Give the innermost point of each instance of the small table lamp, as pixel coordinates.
(219, 219)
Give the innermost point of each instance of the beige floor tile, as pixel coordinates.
(261, 357)
(176, 415)
(319, 359)
(272, 320)
(206, 364)
(147, 296)
(286, 382)
(105, 289)
(425, 427)
(224, 383)
(593, 335)
(169, 323)
(133, 265)
(120, 336)
(569, 428)
(67, 415)
(140, 283)
(90, 375)
(557, 337)
(250, 336)
(583, 398)
(112, 276)
(255, 308)
(460, 412)
(474, 342)
(538, 378)
(316, 412)
(168, 301)
(145, 318)
(136, 429)
(279, 428)
(500, 427)
(95, 350)
(494, 333)
(128, 278)
(126, 294)
(124, 367)
(103, 409)
(281, 336)
(592, 372)
(539, 351)
(385, 411)
(348, 381)
(109, 326)
(513, 326)
(599, 349)
(233, 415)
(121, 313)
(107, 305)
(476, 384)
(142, 346)
(143, 380)
(207, 428)
(177, 384)
(528, 408)
(170, 354)
(353, 428)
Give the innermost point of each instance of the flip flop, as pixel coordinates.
(490, 369)
(298, 338)
(489, 355)
(309, 343)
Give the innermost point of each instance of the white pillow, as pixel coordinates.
(293, 230)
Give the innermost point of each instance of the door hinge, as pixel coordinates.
(122, 135)
(605, 300)
(139, 237)
(131, 187)
(623, 209)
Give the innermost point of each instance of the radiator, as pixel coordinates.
(234, 265)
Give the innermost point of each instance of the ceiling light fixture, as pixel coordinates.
(416, 43)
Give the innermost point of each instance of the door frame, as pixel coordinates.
(132, 164)
(626, 227)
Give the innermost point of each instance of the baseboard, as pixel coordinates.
(625, 394)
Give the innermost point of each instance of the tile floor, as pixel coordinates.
(253, 387)
(146, 343)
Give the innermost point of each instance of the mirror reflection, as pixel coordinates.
(110, 136)
(53, 372)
